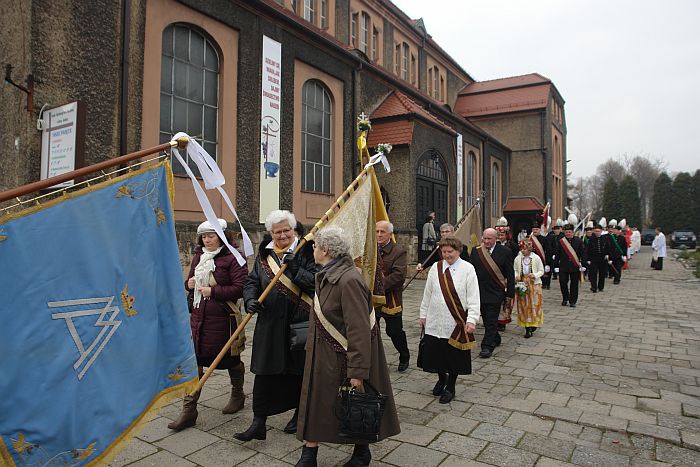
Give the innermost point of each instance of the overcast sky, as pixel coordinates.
(629, 70)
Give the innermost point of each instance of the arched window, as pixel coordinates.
(495, 187)
(316, 138)
(189, 89)
(471, 178)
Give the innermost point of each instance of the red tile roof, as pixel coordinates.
(525, 203)
(505, 83)
(503, 101)
(399, 104)
(395, 133)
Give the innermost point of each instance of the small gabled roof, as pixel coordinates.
(399, 104)
(522, 203)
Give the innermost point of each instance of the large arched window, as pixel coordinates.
(495, 187)
(316, 138)
(189, 88)
(471, 178)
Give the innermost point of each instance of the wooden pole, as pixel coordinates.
(49, 182)
(244, 322)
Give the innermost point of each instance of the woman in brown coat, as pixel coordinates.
(215, 282)
(345, 302)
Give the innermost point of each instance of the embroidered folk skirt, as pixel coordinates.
(504, 317)
(530, 312)
(274, 394)
(436, 355)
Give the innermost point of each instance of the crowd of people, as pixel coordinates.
(318, 328)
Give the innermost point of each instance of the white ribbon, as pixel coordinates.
(379, 157)
(213, 178)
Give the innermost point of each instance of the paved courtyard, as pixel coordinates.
(613, 382)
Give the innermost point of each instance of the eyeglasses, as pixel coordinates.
(284, 232)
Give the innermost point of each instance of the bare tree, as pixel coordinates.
(645, 168)
(612, 168)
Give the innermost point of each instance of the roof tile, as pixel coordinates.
(502, 101)
(399, 104)
(395, 133)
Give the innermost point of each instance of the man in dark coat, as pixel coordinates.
(597, 254)
(618, 252)
(553, 240)
(491, 290)
(393, 264)
(543, 251)
(569, 265)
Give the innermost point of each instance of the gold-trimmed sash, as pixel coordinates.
(287, 282)
(570, 252)
(332, 330)
(491, 266)
(459, 339)
(538, 247)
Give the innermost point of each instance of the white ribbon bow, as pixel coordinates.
(379, 157)
(213, 178)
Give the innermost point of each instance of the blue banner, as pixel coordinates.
(94, 326)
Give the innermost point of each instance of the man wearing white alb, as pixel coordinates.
(448, 315)
(659, 250)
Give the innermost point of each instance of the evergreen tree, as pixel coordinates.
(683, 202)
(696, 199)
(630, 203)
(611, 201)
(662, 203)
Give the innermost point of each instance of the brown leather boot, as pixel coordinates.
(188, 416)
(235, 403)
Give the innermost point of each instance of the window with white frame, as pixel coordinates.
(375, 44)
(495, 187)
(310, 11)
(364, 33)
(189, 88)
(471, 178)
(316, 137)
(404, 62)
(324, 14)
(353, 30)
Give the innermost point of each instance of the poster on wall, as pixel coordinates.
(61, 141)
(270, 127)
(460, 177)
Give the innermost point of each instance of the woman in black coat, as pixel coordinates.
(278, 369)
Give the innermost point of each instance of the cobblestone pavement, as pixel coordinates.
(612, 382)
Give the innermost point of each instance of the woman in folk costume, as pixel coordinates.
(278, 367)
(344, 344)
(528, 272)
(449, 312)
(215, 282)
(504, 238)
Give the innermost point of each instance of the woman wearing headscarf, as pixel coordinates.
(528, 270)
(344, 344)
(215, 282)
(278, 367)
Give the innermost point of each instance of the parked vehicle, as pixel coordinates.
(648, 236)
(683, 237)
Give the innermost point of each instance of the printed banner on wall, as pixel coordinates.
(270, 127)
(460, 176)
(95, 331)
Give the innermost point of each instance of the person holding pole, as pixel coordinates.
(215, 282)
(277, 364)
(446, 231)
(344, 347)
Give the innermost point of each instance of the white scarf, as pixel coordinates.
(201, 272)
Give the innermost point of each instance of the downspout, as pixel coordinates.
(543, 120)
(355, 101)
(124, 81)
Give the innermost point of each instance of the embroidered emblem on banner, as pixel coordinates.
(145, 189)
(128, 302)
(105, 320)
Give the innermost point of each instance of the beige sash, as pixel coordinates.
(234, 316)
(491, 266)
(570, 252)
(286, 282)
(332, 330)
(538, 248)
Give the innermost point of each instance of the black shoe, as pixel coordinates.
(446, 396)
(616, 282)
(528, 333)
(594, 290)
(403, 365)
(572, 305)
(564, 302)
(438, 388)
(291, 426)
(361, 456)
(255, 431)
(485, 353)
(308, 457)
(501, 327)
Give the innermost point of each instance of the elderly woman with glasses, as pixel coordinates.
(277, 364)
(344, 347)
(528, 288)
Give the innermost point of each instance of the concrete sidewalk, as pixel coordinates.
(611, 382)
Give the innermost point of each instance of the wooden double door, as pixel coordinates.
(431, 191)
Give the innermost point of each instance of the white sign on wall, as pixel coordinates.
(460, 177)
(270, 127)
(58, 141)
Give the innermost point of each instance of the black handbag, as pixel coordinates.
(421, 348)
(298, 333)
(360, 413)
